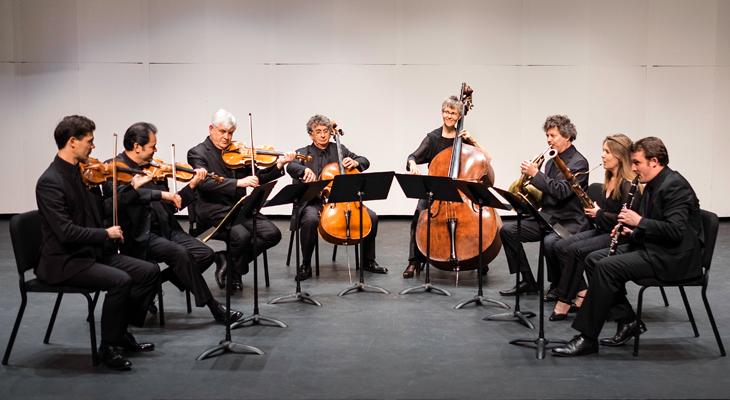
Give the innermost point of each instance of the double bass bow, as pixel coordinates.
(455, 225)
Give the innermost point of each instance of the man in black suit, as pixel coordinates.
(665, 243)
(78, 251)
(153, 233)
(216, 199)
(559, 204)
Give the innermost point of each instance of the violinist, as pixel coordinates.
(216, 199)
(559, 203)
(434, 142)
(77, 249)
(153, 233)
(571, 252)
(324, 152)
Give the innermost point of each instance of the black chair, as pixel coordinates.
(710, 224)
(194, 230)
(26, 237)
(161, 302)
(316, 253)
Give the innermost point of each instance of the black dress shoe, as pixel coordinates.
(624, 333)
(112, 357)
(219, 313)
(375, 268)
(304, 272)
(525, 288)
(578, 346)
(551, 296)
(130, 345)
(220, 270)
(237, 283)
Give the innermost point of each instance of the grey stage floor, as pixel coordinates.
(367, 346)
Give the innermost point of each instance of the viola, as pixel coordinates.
(238, 155)
(95, 172)
(183, 172)
(454, 226)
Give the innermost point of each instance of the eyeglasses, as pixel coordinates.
(320, 131)
(450, 113)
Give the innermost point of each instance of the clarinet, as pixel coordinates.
(620, 227)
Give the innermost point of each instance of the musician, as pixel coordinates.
(153, 233)
(665, 243)
(216, 199)
(571, 252)
(435, 141)
(77, 250)
(324, 152)
(559, 203)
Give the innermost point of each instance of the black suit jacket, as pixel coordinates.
(671, 229)
(214, 200)
(71, 222)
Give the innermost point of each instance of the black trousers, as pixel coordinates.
(531, 232)
(606, 298)
(240, 240)
(130, 285)
(188, 258)
(571, 253)
(309, 220)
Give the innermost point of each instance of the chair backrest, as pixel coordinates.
(595, 191)
(27, 239)
(710, 226)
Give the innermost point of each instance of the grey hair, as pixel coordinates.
(317, 120)
(223, 118)
(452, 102)
(562, 122)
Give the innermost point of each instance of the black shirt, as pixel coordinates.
(430, 146)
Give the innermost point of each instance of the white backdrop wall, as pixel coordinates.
(380, 68)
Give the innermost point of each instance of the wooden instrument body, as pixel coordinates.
(339, 223)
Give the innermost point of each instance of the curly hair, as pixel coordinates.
(562, 122)
(317, 120)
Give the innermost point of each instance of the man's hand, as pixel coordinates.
(629, 217)
(348, 163)
(141, 179)
(529, 168)
(115, 232)
(173, 198)
(249, 181)
(285, 159)
(200, 174)
(309, 176)
(413, 168)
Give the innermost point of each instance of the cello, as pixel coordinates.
(339, 223)
(455, 225)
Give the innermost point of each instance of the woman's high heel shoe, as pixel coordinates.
(410, 271)
(555, 316)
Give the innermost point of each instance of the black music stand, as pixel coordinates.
(246, 204)
(296, 194)
(540, 343)
(361, 187)
(430, 188)
(256, 318)
(479, 193)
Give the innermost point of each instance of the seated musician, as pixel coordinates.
(572, 251)
(434, 142)
(665, 240)
(216, 199)
(78, 251)
(153, 233)
(324, 152)
(559, 203)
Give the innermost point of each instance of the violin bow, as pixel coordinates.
(115, 197)
(253, 148)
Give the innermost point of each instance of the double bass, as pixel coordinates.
(339, 223)
(455, 226)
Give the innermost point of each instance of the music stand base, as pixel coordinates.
(363, 287)
(540, 344)
(258, 319)
(226, 346)
(481, 301)
(427, 288)
(302, 297)
(518, 316)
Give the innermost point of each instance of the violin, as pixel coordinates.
(238, 155)
(454, 226)
(95, 172)
(183, 172)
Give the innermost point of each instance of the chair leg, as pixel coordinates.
(96, 300)
(639, 305)
(92, 327)
(14, 333)
(291, 243)
(316, 257)
(689, 310)
(187, 301)
(334, 253)
(266, 269)
(56, 306)
(357, 256)
(664, 296)
(712, 321)
(161, 303)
